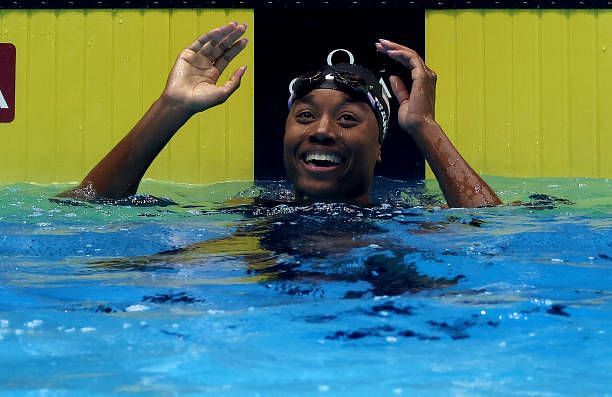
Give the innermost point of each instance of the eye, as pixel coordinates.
(304, 116)
(348, 119)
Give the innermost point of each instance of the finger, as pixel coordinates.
(407, 58)
(233, 83)
(230, 54)
(433, 76)
(227, 42)
(431, 73)
(390, 45)
(211, 47)
(399, 89)
(214, 34)
(412, 61)
(390, 48)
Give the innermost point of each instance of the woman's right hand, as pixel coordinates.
(192, 84)
(417, 106)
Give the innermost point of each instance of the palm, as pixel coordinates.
(193, 80)
(419, 105)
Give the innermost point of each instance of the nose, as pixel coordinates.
(323, 132)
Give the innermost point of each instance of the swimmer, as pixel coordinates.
(333, 133)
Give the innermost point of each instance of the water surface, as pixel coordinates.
(215, 295)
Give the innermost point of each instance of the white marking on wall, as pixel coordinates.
(3, 104)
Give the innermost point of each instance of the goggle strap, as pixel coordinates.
(384, 88)
(290, 101)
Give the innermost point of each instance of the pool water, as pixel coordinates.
(214, 295)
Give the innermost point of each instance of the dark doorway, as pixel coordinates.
(293, 41)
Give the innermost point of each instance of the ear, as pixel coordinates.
(379, 153)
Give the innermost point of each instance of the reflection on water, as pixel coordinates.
(278, 240)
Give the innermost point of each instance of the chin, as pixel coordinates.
(320, 190)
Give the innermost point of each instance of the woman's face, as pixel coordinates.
(331, 147)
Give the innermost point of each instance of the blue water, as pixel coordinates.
(215, 295)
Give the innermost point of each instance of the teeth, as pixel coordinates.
(332, 158)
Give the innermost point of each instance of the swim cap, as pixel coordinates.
(355, 80)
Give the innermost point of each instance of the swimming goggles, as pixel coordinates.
(330, 78)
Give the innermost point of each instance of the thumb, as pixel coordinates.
(399, 89)
(233, 83)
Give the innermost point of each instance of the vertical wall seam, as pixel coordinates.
(199, 125)
(483, 102)
(509, 132)
(27, 89)
(566, 92)
(568, 74)
(512, 90)
(227, 135)
(596, 71)
(456, 68)
(141, 64)
(84, 117)
(55, 95)
(198, 135)
(541, 93)
(540, 147)
(168, 13)
(169, 57)
(112, 76)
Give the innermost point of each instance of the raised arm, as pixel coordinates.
(191, 88)
(460, 184)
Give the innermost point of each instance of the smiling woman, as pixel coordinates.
(331, 147)
(337, 121)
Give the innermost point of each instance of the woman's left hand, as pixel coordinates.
(417, 106)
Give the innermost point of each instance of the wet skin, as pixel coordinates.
(331, 147)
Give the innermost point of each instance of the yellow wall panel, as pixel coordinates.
(583, 93)
(544, 84)
(126, 66)
(84, 78)
(70, 95)
(526, 92)
(554, 75)
(214, 166)
(521, 92)
(239, 141)
(42, 95)
(98, 125)
(441, 40)
(157, 60)
(13, 151)
(498, 122)
(441, 43)
(214, 144)
(183, 154)
(470, 70)
(604, 88)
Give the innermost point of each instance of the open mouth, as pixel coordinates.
(322, 160)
